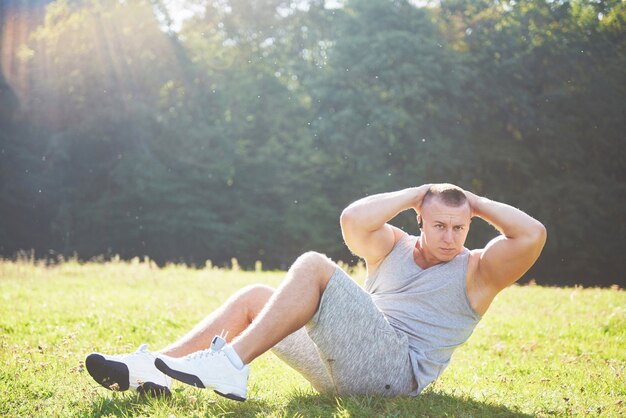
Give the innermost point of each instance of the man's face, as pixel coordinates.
(444, 229)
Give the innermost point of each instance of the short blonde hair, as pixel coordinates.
(448, 194)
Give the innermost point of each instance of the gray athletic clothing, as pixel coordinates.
(430, 306)
(348, 347)
(392, 338)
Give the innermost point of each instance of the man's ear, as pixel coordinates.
(419, 221)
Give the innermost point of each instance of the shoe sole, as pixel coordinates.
(114, 375)
(193, 380)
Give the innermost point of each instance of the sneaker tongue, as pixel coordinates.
(217, 343)
(143, 348)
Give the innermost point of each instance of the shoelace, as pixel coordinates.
(141, 351)
(215, 349)
(201, 354)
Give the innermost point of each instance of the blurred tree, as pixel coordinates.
(546, 116)
(385, 107)
(23, 206)
(247, 131)
(97, 70)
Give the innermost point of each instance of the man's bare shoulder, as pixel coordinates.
(372, 266)
(479, 294)
(472, 266)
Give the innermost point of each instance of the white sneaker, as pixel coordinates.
(129, 371)
(208, 369)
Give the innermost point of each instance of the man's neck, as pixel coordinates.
(421, 256)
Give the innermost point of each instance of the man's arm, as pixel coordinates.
(507, 257)
(364, 223)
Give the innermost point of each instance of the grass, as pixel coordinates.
(537, 352)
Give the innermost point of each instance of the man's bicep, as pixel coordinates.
(503, 261)
(371, 245)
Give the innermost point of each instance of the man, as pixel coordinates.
(423, 297)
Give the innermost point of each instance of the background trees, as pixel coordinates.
(246, 131)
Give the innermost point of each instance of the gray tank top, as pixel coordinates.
(430, 306)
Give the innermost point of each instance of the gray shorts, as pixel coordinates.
(348, 347)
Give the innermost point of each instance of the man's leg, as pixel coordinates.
(137, 370)
(300, 353)
(362, 352)
(291, 306)
(234, 316)
(304, 284)
(257, 317)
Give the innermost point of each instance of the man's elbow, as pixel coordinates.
(347, 217)
(539, 234)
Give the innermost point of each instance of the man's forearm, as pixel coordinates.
(373, 212)
(511, 222)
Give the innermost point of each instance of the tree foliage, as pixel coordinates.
(245, 132)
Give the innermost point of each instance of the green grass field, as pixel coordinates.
(537, 352)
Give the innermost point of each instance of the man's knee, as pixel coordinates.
(255, 293)
(317, 265)
(251, 299)
(315, 260)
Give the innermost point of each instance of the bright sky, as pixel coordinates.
(183, 9)
(180, 10)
